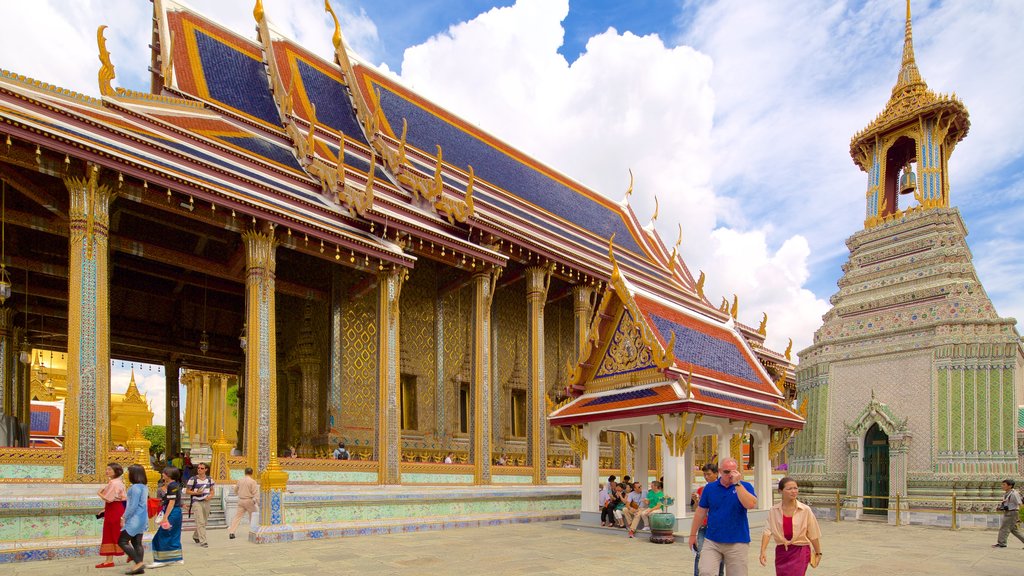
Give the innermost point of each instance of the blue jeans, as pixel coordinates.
(700, 546)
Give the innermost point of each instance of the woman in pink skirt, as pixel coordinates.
(795, 529)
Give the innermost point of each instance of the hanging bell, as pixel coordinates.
(5, 284)
(908, 181)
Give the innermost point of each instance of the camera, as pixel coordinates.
(1003, 508)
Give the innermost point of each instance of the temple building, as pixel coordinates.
(913, 381)
(364, 267)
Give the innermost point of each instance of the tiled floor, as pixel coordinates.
(861, 549)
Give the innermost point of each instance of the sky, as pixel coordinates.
(736, 115)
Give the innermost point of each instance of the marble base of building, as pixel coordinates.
(45, 522)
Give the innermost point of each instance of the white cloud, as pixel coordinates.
(627, 102)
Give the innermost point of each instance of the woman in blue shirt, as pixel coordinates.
(133, 523)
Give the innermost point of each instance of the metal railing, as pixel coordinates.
(899, 505)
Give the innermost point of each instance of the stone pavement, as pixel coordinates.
(863, 549)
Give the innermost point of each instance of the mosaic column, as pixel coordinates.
(87, 407)
(7, 345)
(538, 278)
(309, 370)
(389, 428)
(222, 405)
(261, 353)
(172, 399)
(273, 483)
(480, 423)
(337, 340)
(642, 456)
(241, 412)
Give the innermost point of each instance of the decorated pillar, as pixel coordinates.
(538, 278)
(389, 426)
(583, 308)
(241, 411)
(899, 448)
(219, 469)
(480, 423)
(172, 400)
(261, 353)
(222, 408)
(854, 466)
(273, 483)
(675, 463)
(87, 407)
(204, 411)
(8, 345)
(337, 340)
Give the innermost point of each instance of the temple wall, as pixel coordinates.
(901, 381)
(359, 379)
(417, 352)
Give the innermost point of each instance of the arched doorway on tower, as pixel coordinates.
(876, 471)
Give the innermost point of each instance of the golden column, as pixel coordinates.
(583, 309)
(480, 448)
(7, 358)
(389, 429)
(87, 407)
(223, 401)
(204, 412)
(538, 279)
(261, 351)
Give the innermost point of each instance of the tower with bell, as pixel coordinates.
(913, 381)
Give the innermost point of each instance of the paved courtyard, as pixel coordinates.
(863, 549)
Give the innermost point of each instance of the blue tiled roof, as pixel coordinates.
(738, 400)
(331, 97)
(236, 79)
(358, 163)
(701, 349)
(261, 147)
(495, 166)
(631, 395)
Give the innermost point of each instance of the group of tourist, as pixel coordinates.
(126, 512)
(625, 505)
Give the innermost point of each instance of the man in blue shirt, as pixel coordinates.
(725, 503)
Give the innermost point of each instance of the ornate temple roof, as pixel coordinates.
(648, 356)
(910, 100)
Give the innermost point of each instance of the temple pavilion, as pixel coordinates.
(364, 267)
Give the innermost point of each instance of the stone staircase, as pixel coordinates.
(216, 521)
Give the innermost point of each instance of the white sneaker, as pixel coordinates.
(155, 565)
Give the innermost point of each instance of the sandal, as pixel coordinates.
(105, 565)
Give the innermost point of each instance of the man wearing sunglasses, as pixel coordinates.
(724, 503)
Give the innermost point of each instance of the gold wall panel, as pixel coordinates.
(417, 352)
(455, 353)
(558, 348)
(359, 351)
(511, 357)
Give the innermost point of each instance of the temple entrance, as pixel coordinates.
(876, 471)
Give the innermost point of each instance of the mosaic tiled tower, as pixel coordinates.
(913, 380)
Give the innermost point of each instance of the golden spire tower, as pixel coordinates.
(906, 148)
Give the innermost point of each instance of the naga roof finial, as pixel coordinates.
(106, 73)
(763, 329)
(654, 217)
(629, 191)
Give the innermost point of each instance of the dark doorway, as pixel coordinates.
(876, 471)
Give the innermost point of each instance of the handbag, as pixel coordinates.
(815, 559)
(153, 506)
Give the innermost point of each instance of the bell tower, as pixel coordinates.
(913, 381)
(905, 150)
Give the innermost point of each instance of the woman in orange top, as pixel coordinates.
(795, 529)
(114, 496)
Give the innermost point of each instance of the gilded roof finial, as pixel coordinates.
(336, 39)
(257, 10)
(611, 256)
(909, 74)
(700, 285)
(629, 191)
(763, 328)
(789, 349)
(654, 217)
(106, 73)
(735, 307)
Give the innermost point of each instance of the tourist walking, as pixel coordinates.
(710, 471)
(247, 491)
(1010, 508)
(113, 495)
(133, 523)
(795, 529)
(167, 540)
(724, 503)
(199, 489)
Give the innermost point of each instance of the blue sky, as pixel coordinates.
(737, 115)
